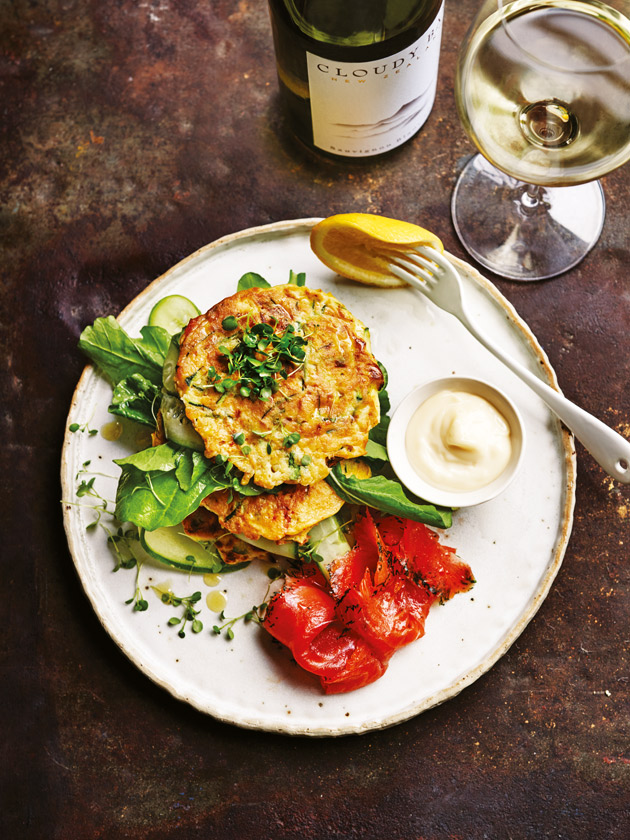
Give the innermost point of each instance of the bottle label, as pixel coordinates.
(367, 108)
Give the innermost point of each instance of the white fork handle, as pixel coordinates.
(610, 449)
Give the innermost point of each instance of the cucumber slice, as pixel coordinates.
(173, 313)
(173, 548)
(327, 537)
(288, 549)
(177, 426)
(329, 540)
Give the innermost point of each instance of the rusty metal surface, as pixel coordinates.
(133, 133)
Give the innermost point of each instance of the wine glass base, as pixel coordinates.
(516, 234)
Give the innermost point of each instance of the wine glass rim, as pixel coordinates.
(572, 5)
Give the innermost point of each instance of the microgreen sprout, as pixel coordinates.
(255, 362)
(307, 553)
(230, 323)
(82, 427)
(256, 614)
(227, 628)
(139, 603)
(85, 488)
(123, 543)
(189, 614)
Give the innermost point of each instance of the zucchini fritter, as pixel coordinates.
(288, 514)
(204, 525)
(280, 382)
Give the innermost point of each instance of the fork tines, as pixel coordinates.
(413, 263)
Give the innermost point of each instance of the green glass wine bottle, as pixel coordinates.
(357, 77)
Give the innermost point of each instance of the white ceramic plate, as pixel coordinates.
(514, 543)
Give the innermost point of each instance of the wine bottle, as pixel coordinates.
(357, 77)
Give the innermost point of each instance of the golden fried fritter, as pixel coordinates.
(204, 525)
(319, 402)
(288, 514)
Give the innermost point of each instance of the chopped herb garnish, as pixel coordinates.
(295, 467)
(297, 279)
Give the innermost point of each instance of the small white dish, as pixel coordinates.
(421, 487)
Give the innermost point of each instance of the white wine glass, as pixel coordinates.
(543, 90)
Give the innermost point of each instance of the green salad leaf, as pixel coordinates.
(376, 451)
(161, 485)
(185, 470)
(378, 434)
(118, 356)
(251, 280)
(136, 398)
(386, 495)
(156, 500)
(161, 458)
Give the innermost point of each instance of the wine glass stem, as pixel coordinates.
(532, 200)
(523, 231)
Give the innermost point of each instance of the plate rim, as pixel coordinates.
(448, 692)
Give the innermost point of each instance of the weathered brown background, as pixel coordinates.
(135, 131)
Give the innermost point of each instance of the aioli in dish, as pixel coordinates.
(458, 441)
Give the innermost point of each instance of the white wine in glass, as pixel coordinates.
(543, 90)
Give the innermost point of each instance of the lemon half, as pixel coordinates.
(357, 245)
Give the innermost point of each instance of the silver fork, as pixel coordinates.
(428, 271)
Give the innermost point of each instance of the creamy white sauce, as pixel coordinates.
(458, 441)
